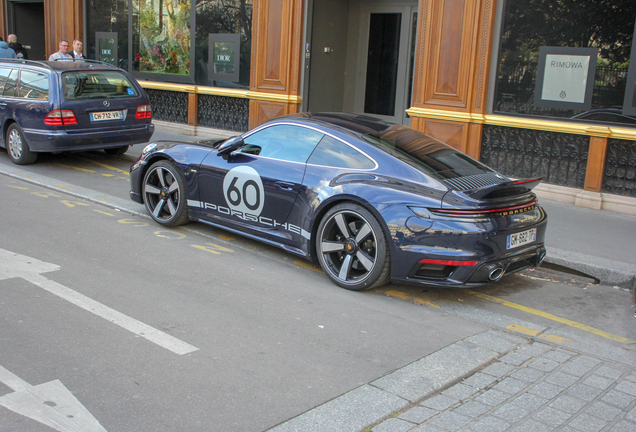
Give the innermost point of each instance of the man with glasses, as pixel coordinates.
(63, 52)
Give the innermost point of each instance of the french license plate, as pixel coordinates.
(521, 238)
(107, 115)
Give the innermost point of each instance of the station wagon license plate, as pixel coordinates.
(107, 115)
(521, 238)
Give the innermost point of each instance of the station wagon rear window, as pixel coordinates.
(83, 85)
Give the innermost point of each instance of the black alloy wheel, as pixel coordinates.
(164, 194)
(352, 248)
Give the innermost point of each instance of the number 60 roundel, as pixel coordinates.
(243, 190)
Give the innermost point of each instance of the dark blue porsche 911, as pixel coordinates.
(372, 202)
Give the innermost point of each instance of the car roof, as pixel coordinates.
(357, 123)
(63, 65)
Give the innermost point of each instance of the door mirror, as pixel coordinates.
(230, 145)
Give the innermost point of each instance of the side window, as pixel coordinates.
(331, 152)
(4, 73)
(9, 86)
(285, 142)
(33, 85)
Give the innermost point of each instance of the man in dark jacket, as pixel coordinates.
(20, 51)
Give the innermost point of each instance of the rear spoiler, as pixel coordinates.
(505, 189)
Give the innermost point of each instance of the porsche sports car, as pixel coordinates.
(371, 201)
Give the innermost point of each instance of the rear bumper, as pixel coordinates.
(40, 140)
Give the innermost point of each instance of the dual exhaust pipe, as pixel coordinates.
(498, 271)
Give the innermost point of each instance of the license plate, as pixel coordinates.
(107, 115)
(521, 238)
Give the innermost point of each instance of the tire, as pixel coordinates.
(17, 147)
(116, 151)
(165, 194)
(352, 248)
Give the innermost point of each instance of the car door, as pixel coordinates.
(255, 188)
(4, 74)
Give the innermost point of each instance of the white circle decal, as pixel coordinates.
(243, 190)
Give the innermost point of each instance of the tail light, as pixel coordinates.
(143, 112)
(60, 118)
(447, 262)
(486, 212)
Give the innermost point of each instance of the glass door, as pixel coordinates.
(385, 61)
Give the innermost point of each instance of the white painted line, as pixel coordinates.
(16, 265)
(51, 404)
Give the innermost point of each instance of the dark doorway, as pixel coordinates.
(26, 21)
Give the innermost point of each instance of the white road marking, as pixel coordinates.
(16, 265)
(51, 404)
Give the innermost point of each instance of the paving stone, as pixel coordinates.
(417, 414)
(624, 426)
(575, 369)
(631, 377)
(626, 387)
(515, 358)
(498, 369)
(609, 372)
(587, 361)
(617, 398)
(544, 364)
(511, 413)
(460, 391)
(472, 409)
(631, 415)
(532, 426)
(480, 380)
(511, 386)
(551, 417)
(495, 341)
(561, 379)
(426, 428)
(534, 350)
(528, 375)
(558, 355)
(393, 425)
(598, 382)
(584, 392)
(439, 402)
(492, 397)
(603, 410)
(451, 421)
(546, 390)
(490, 424)
(529, 401)
(568, 404)
(588, 423)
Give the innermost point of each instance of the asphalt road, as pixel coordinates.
(192, 329)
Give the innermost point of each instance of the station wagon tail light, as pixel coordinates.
(143, 112)
(60, 118)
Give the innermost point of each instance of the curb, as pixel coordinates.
(606, 271)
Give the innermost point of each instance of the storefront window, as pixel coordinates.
(585, 45)
(170, 39)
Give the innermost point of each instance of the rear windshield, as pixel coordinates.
(425, 153)
(96, 85)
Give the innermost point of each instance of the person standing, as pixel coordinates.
(5, 51)
(20, 51)
(78, 46)
(63, 52)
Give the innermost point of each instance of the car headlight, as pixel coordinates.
(149, 148)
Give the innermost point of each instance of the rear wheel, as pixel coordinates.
(352, 248)
(116, 151)
(17, 147)
(164, 194)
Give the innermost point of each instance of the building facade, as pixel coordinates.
(529, 87)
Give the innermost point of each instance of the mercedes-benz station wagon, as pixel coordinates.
(56, 106)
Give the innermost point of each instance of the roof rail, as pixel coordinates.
(44, 63)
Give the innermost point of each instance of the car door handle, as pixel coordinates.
(284, 185)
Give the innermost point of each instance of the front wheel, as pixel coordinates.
(17, 147)
(165, 194)
(352, 248)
